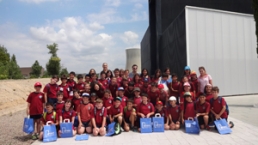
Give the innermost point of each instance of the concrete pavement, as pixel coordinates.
(242, 114)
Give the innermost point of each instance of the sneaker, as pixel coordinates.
(34, 136)
(232, 124)
(135, 129)
(122, 129)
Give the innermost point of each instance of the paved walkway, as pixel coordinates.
(245, 132)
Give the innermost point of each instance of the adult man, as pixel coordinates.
(134, 68)
(105, 67)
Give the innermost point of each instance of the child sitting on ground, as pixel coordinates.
(99, 116)
(162, 111)
(202, 111)
(173, 114)
(116, 112)
(129, 116)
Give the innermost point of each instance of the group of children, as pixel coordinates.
(91, 103)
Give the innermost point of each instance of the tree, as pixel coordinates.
(14, 71)
(255, 7)
(53, 49)
(64, 72)
(4, 61)
(53, 66)
(36, 70)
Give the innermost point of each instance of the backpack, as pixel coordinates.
(220, 98)
(48, 88)
(113, 129)
(45, 114)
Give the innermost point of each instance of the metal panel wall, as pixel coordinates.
(224, 43)
(146, 51)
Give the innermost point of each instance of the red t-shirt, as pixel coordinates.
(66, 91)
(175, 86)
(99, 114)
(129, 94)
(124, 100)
(51, 90)
(85, 111)
(67, 114)
(137, 100)
(71, 83)
(145, 89)
(127, 113)
(80, 86)
(113, 89)
(36, 101)
(182, 99)
(138, 84)
(195, 84)
(114, 111)
(202, 108)
(49, 117)
(163, 96)
(59, 106)
(181, 87)
(208, 97)
(153, 96)
(145, 108)
(119, 80)
(104, 83)
(174, 112)
(107, 102)
(189, 110)
(217, 106)
(163, 113)
(76, 102)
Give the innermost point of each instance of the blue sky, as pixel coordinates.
(88, 32)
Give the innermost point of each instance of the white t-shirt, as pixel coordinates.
(203, 81)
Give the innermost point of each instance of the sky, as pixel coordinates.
(88, 32)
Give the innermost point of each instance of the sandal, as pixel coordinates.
(232, 124)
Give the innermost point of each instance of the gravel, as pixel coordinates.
(11, 130)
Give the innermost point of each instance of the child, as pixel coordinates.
(67, 113)
(164, 81)
(87, 88)
(77, 100)
(174, 87)
(35, 108)
(188, 109)
(49, 116)
(162, 111)
(129, 116)
(121, 73)
(185, 80)
(80, 85)
(186, 90)
(137, 81)
(65, 88)
(118, 78)
(154, 93)
(94, 77)
(194, 81)
(87, 79)
(109, 76)
(187, 72)
(113, 87)
(163, 94)
(208, 92)
(145, 87)
(173, 114)
(120, 93)
(60, 103)
(125, 83)
(98, 118)
(137, 98)
(51, 89)
(71, 81)
(116, 111)
(97, 88)
(130, 91)
(145, 109)
(108, 99)
(102, 81)
(93, 97)
(84, 110)
(218, 106)
(145, 74)
(156, 78)
(202, 111)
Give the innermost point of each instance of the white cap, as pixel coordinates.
(172, 98)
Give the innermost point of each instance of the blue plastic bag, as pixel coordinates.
(66, 129)
(28, 125)
(49, 133)
(82, 137)
(111, 129)
(158, 123)
(222, 126)
(146, 125)
(192, 126)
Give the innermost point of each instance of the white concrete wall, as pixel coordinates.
(225, 44)
(133, 56)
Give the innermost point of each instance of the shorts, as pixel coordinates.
(127, 120)
(52, 100)
(201, 120)
(38, 116)
(174, 121)
(86, 124)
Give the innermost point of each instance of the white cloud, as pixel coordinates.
(130, 37)
(114, 3)
(138, 6)
(38, 1)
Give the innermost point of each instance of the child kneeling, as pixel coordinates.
(173, 114)
(99, 116)
(129, 116)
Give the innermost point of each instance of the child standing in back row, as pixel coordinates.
(35, 108)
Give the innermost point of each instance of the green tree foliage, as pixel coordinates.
(36, 70)
(53, 66)
(64, 72)
(255, 7)
(4, 61)
(14, 71)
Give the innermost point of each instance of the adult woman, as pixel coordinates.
(145, 74)
(187, 72)
(92, 71)
(203, 79)
(156, 78)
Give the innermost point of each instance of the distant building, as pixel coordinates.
(27, 70)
